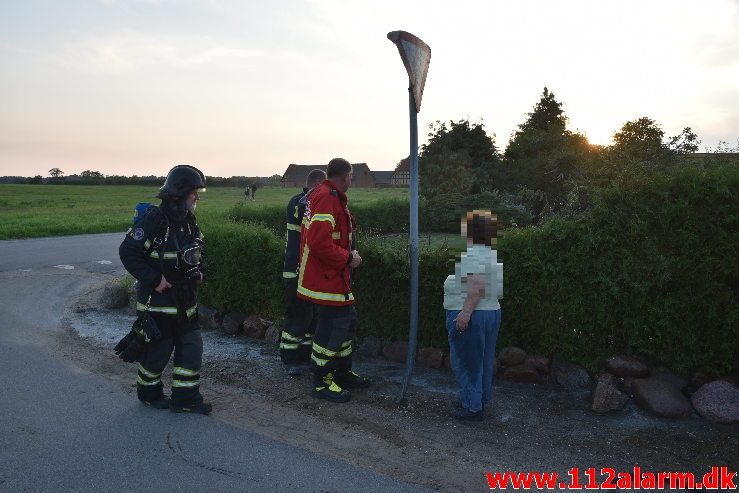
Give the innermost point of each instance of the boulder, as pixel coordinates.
(660, 399)
(511, 356)
(205, 318)
(571, 376)
(539, 363)
(397, 351)
(272, 335)
(670, 378)
(606, 396)
(370, 346)
(717, 401)
(255, 327)
(430, 357)
(522, 373)
(626, 366)
(114, 296)
(231, 324)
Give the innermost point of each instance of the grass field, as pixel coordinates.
(30, 211)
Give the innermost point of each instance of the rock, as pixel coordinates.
(255, 327)
(205, 318)
(670, 378)
(660, 399)
(272, 335)
(232, 323)
(699, 379)
(626, 366)
(397, 351)
(538, 363)
(570, 375)
(511, 356)
(717, 401)
(606, 396)
(522, 373)
(627, 383)
(114, 296)
(370, 346)
(430, 357)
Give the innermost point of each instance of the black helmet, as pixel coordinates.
(181, 180)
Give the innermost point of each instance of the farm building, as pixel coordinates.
(295, 175)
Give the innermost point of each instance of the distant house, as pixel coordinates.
(295, 175)
(382, 178)
(402, 173)
(709, 158)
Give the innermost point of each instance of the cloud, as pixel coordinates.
(126, 52)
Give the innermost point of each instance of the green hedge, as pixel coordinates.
(390, 216)
(650, 271)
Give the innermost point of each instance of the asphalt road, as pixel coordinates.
(65, 429)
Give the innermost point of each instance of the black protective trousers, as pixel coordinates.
(301, 317)
(333, 342)
(186, 341)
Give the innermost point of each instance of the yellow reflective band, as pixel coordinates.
(289, 275)
(168, 310)
(288, 337)
(317, 295)
(178, 370)
(322, 350)
(180, 383)
(141, 381)
(285, 345)
(147, 244)
(147, 373)
(336, 235)
(346, 344)
(167, 255)
(324, 217)
(293, 227)
(319, 362)
(301, 270)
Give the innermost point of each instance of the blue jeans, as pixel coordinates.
(472, 353)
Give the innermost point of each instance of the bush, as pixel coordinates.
(244, 269)
(650, 271)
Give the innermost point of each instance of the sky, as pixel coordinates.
(247, 87)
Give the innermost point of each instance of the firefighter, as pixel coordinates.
(164, 252)
(300, 315)
(327, 256)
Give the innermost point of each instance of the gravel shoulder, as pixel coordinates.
(529, 428)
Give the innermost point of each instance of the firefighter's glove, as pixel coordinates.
(130, 347)
(146, 327)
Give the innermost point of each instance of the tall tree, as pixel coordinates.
(471, 155)
(542, 154)
(56, 173)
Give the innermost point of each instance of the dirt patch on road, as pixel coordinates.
(529, 428)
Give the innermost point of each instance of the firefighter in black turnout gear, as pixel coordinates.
(164, 252)
(300, 315)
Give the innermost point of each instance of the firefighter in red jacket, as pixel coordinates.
(327, 257)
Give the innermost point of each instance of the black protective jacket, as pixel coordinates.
(159, 244)
(294, 215)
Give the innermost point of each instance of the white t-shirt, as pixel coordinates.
(480, 260)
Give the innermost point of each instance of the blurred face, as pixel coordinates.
(346, 182)
(192, 200)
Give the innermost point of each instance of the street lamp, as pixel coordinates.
(416, 56)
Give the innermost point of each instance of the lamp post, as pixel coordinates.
(416, 56)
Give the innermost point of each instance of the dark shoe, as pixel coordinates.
(200, 408)
(294, 370)
(328, 390)
(350, 380)
(463, 414)
(159, 403)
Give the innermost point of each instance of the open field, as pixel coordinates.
(29, 211)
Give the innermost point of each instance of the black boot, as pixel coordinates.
(159, 403)
(349, 380)
(324, 387)
(199, 408)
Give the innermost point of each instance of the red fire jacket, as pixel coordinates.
(324, 276)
